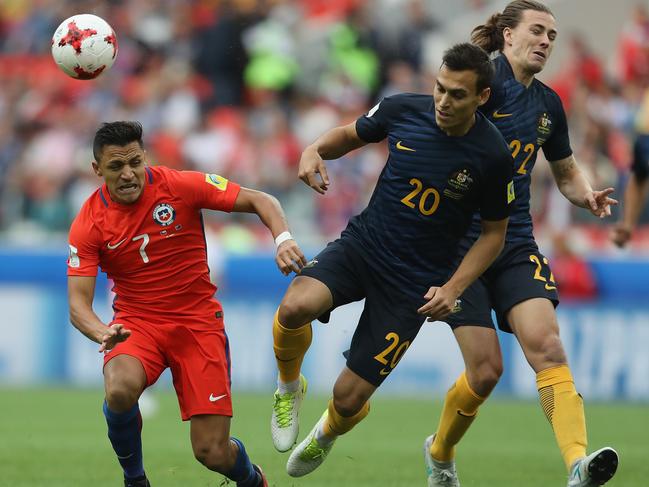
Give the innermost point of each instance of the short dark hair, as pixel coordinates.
(469, 57)
(116, 133)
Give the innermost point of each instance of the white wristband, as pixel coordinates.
(283, 237)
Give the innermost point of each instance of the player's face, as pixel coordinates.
(122, 168)
(530, 44)
(457, 99)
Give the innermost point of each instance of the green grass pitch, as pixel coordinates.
(57, 437)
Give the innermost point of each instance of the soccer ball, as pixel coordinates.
(84, 46)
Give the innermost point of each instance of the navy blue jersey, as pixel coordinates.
(529, 118)
(428, 191)
(640, 166)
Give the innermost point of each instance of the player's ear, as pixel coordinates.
(483, 96)
(96, 168)
(507, 34)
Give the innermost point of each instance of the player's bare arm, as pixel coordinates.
(331, 145)
(289, 257)
(81, 292)
(635, 195)
(441, 300)
(574, 185)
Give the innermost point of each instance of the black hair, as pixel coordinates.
(489, 35)
(469, 57)
(116, 133)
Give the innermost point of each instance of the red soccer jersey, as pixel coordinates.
(154, 250)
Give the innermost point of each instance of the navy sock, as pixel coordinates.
(125, 434)
(242, 471)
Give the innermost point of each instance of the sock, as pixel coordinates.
(460, 409)
(564, 409)
(284, 387)
(290, 347)
(242, 472)
(336, 425)
(125, 434)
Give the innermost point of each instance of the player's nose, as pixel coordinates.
(127, 174)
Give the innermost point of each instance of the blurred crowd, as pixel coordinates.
(603, 99)
(240, 87)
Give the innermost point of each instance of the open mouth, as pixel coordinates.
(540, 54)
(129, 188)
(443, 115)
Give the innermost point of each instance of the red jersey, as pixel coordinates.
(154, 250)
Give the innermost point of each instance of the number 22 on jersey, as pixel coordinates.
(515, 146)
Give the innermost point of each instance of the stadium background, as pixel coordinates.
(239, 88)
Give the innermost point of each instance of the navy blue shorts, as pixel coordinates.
(519, 273)
(389, 322)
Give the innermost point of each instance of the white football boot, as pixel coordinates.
(595, 469)
(440, 474)
(284, 426)
(309, 454)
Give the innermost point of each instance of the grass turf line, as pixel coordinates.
(57, 437)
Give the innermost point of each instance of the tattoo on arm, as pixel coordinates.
(564, 168)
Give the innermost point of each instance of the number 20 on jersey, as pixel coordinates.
(425, 200)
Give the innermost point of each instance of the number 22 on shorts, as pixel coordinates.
(537, 272)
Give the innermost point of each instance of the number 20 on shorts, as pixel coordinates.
(395, 349)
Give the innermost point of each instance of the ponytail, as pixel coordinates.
(489, 36)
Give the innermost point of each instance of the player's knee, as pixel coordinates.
(294, 311)
(485, 377)
(121, 396)
(552, 350)
(546, 352)
(215, 456)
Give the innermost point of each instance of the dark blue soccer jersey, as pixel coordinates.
(529, 118)
(427, 193)
(640, 166)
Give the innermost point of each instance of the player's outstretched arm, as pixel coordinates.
(442, 300)
(81, 292)
(289, 257)
(635, 197)
(331, 145)
(573, 184)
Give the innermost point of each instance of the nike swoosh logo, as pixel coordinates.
(460, 413)
(214, 399)
(400, 146)
(384, 372)
(549, 288)
(113, 247)
(285, 360)
(501, 115)
(126, 457)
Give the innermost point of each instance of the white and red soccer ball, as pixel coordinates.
(84, 46)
